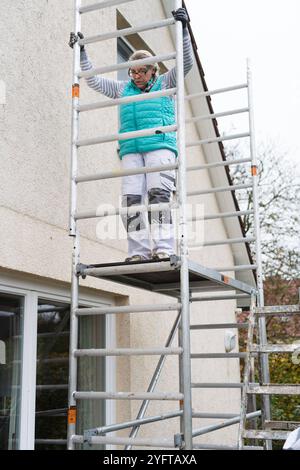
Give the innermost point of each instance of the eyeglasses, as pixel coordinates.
(133, 73)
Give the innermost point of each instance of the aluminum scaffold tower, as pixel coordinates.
(182, 277)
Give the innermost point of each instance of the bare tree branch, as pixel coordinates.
(279, 204)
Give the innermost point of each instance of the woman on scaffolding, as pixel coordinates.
(150, 151)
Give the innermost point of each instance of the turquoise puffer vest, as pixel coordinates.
(146, 114)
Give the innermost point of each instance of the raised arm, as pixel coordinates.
(108, 87)
(169, 78)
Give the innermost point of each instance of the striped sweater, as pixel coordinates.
(114, 88)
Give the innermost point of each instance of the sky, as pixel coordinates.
(228, 32)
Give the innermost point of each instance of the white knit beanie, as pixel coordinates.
(141, 54)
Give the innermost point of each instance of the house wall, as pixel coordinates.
(35, 133)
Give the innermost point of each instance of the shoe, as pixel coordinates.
(160, 255)
(134, 258)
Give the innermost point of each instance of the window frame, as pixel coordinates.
(124, 48)
(31, 291)
(124, 51)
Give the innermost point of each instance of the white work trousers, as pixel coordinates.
(153, 188)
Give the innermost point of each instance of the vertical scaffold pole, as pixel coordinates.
(260, 299)
(183, 246)
(75, 234)
(247, 371)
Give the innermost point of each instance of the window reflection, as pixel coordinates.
(91, 376)
(11, 327)
(52, 375)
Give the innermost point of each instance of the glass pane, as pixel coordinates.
(11, 330)
(52, 375)
(91, 375)
(124, 52)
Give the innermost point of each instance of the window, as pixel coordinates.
(11, 330)
(34, 364)
(53, 371)
(91, 375)
(52, 375)
(124, 52)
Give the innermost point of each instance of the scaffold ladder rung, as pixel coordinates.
(274, 389)
(258, 434)
(216, 91)
(235, 187)
(218, 355)
(220, 447)
(215, 140)
(216, 115)
(218, 326)
(126, 135)
(101, 5)
(276, 348)
(246, 267)
(216, 385)
(123, 210)
(208, 166)
(282, 425)
(229, 241)
(121, 173)
(126, 31)
(127, 352)
(79, 395)
(119, 101)
(86, 311)
(214, 298)
(127, 65)
(161, 442)
(214, 415)
(278, 310)
(223, 215)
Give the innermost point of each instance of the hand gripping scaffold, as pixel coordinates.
(182, 277)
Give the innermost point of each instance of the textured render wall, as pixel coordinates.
(35, 125)
(36, 65)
